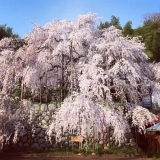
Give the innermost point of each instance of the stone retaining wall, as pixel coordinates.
(36, 138)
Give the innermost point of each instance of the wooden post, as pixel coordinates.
(102, 134)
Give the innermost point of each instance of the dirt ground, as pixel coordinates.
(45, 156)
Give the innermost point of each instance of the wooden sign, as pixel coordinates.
(78, 139)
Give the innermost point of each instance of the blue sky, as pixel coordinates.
(18, 14)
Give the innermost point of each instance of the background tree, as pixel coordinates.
(113, 22)
(149, 32)
(152, 17)
(156, 45)
(7, 32)
(127, 29)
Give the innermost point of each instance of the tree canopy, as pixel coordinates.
(148, 31)
(99, 74)
(113, 22)
(127, 29)
(7, 32)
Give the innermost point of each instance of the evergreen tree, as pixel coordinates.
(149, 31)
(127, 29)
(113, 22)
(156, 45)
(7, 32)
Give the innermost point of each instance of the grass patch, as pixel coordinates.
(156, 157)
(121, 150)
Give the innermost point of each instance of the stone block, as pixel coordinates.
(36, 107)
(51, 107)
(38, 130)
(26, 145)
(44, 121)
(46, 118)
(36, 139)
(35, 146)
(44, 114)
(24, 139)
(30, 141)
(41, 135)
(41, 141)
(43, 107)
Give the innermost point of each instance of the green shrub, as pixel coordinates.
(99, 150)
(157, 157)
(16, 92)
(76, 151)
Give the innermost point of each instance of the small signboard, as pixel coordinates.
(78, 139)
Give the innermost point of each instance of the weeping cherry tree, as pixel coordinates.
(101, 75)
